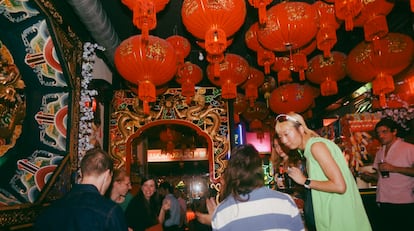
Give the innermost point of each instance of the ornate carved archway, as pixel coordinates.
(206, 112)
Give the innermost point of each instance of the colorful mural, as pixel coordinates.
(34, 104)
(41, 55)
(52, 120)
(16, 10)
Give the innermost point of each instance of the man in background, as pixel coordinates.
(85, 207)
(394, 164)
(173, 218)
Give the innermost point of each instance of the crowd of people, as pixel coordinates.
(314, 190)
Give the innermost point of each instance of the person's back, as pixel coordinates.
(172, 222)
(85, 207)
(265, 209)
(247, 204)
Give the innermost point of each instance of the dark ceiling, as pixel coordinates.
(169, 23)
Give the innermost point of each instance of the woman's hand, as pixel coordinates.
(166, 204)
(205, 218)
(297, 175)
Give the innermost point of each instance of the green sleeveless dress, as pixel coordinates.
(333, 211)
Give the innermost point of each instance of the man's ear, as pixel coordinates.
(108, 174)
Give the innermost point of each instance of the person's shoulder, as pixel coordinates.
(265, 192)
(405, 144)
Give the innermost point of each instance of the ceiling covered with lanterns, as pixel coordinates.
(110, 23)
(170, 21)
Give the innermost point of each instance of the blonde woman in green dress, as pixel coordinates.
(337, 204)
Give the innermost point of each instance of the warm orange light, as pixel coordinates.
(410, 82)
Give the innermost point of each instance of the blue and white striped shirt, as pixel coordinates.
(266, 209)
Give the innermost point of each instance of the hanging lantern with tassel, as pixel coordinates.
(395, 52)
(290, 25)
(346, 10)
(261, 6)
(188, 75)
(234, 70)
(213, 22)
(326, 71)
(282, 67)
(146, 64)
(373, 19)
(144, 13)
(291, 97)
(182, 47)
(382, 85)
(251, 85)
(328, 24)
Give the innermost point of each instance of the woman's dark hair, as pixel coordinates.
(152, 206)
(243, 173)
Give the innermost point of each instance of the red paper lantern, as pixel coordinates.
(144, 13)
(251, 86)
(258, 111)
(147, 63)
(255, 116)
(234, 70)
(308, 48)
(170, 137)
(199, 16)
(372, 19)
(328, 24)
(282, 66)
(213, 22)
(182, 47)
(250, 37)
(395, 53)
(300, 64)
(239, 106)
(159, 90)
(188, 75)
(261, 6)
(347, 10)
(371, 9)
(265, 58)
(290, 25)
(291, 97)
(381, 85)
(326, 71)
(404, 85)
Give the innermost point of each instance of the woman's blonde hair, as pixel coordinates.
(296, 120)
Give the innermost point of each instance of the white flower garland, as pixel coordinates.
(400, 115)
(86, 98)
